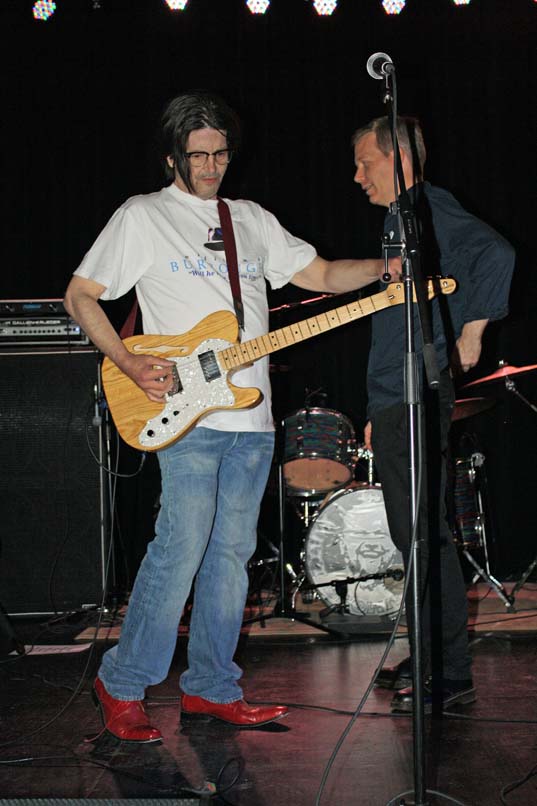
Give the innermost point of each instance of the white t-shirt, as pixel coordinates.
(169, 245)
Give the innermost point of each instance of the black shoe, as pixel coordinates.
(395, 677)
(454, 692)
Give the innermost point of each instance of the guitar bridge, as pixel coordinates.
(177, 385)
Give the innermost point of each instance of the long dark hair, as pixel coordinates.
(186, 113)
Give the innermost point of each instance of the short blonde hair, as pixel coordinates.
(409, 136)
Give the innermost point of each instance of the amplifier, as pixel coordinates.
(53, 537)
(38, 322)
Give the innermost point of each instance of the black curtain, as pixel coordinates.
(83, 92)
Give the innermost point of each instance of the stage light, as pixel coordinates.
(462, 2)
(43, 10)
(323, 7)
(258, 6)
(393, 6)
(176, 5)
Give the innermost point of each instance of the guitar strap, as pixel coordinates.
(230, 249)
(129, 324)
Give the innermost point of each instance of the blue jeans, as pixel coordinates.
(212, 486)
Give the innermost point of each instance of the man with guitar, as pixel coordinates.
(457, 244)
(177, 248)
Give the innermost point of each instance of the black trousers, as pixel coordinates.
(444, 608)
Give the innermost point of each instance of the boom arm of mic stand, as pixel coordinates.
(396, 574)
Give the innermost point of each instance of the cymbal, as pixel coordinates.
(468, 406)
(502, 372)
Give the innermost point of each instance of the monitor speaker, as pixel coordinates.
(52, 522)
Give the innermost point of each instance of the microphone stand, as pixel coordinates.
(412, 272)
(341, 587)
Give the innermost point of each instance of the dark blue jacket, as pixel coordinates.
(453, 242)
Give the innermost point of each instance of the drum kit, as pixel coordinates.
(347, 558)
(470, 487)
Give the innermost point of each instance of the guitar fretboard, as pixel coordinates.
(254, 349)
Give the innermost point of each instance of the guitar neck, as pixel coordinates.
(252, 350)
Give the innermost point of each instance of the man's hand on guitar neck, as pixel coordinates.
(395, 268)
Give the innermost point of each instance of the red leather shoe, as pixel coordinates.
(234, 713)
(124, 719)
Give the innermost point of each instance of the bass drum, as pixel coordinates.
(350, 538)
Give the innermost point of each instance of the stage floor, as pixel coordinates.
(472, 753)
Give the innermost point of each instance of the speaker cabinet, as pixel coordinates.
(52, 518)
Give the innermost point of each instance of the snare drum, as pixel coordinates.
(319, 451)
(350, 538)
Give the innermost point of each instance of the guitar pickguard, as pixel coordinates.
(203, 387)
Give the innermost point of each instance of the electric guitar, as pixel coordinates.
(204, 359)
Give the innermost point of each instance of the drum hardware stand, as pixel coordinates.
(507, 598)
(9, 641)
(477, 461)
(267, 560)
(283, 609)
(524, 578)
(511, 387)
(505, 371)
(305, 514)
(261, 563)
(365, 453)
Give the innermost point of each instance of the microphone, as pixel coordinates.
(379, 65)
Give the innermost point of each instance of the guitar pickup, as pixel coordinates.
(209, 366)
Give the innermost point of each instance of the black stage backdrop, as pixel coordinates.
(83, 92)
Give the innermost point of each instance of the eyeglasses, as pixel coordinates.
(199, 158)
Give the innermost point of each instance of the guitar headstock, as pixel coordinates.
(435, 286)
